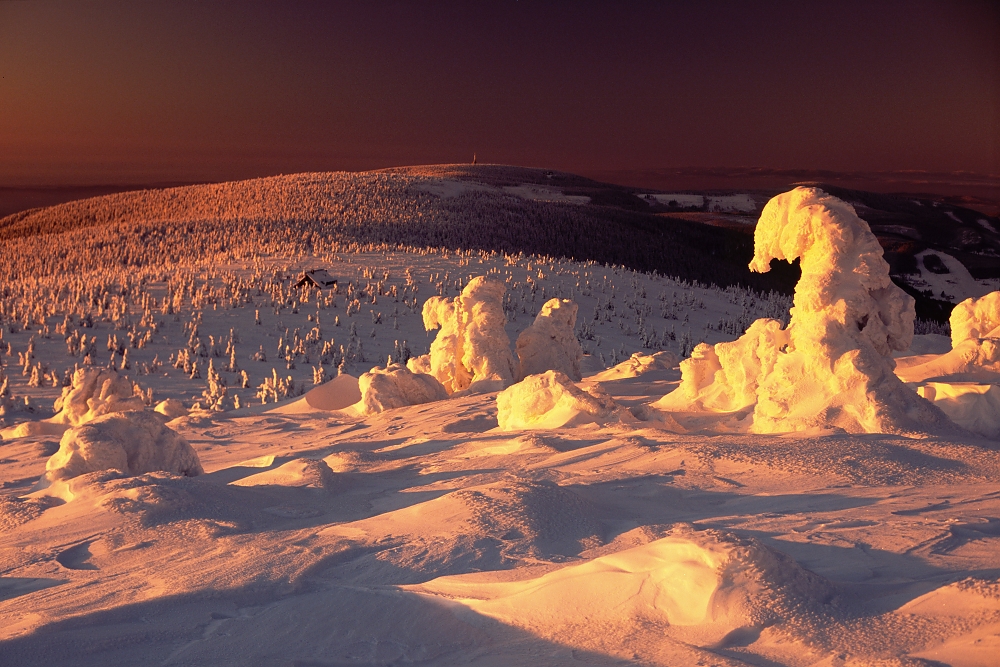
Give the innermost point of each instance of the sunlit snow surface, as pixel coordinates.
(429, 535)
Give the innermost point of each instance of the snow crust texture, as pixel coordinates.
(550, 342)
(832, 365)
(472, 345)
(705, 585)
(397, 386)
(551, 400)
(131, 442)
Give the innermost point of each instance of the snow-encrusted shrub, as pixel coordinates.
(472, 345)
(550, 342)
(132, 442)
(832, 365)
(396, 387)
(976, 318)
(96, 392)
(551, 400)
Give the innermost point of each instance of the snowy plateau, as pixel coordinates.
(465, 453)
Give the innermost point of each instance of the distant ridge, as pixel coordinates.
(449, 206)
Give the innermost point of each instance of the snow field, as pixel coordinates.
(266, 340)
(552, 522)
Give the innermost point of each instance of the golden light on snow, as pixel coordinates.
(452, 457)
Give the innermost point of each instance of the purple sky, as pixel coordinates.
(101, 92)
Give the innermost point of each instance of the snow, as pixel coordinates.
(337, 394)
(703, 586)
(95, 392)
(551, 400)
(472, 345)
(970, 405)
(555, 522)
(537, 193)
(550, 342)
(396, 386)
(976, 318)
(130, 442)
(740, 203)
(956, 285)
(449, 188)
(832, 365)
(298, 473)
(735, 203)
(171, 408)
(682, 200)
(639, 364)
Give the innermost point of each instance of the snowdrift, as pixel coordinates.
(637, 365)
(832, 365)
(340, 393)
(550, 343)
(131, 442)
(552, 400)
(963, 382)
(171, 408)
(300, 473)
(472, 346)
(705, 587)
(397, 386)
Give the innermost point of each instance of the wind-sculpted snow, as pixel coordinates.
(708, 586)
(551, 400)
(550, 342)
(131, 442)
(472, 346)
(95, 392)
(831, 366)
(396, 386)
(976, 318)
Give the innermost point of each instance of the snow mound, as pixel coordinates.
(131, 442)
(970, 405)
(95, 392)
(705, 587)
(303, 473)
(638, 364)
(17, 511)
(490, 527)
(971, 359)
(832, 365)
(551, 400)
(472, 345)
(549, 343)
(337, 394)
(171, 408)
(396, 386)
(724, 377)
(976, 318)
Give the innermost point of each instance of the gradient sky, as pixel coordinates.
(101, 92)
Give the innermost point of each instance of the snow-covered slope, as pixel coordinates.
(427, 534)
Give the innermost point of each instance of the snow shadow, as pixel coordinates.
(325, 626)
(12, 587)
